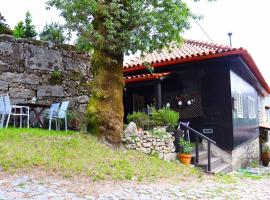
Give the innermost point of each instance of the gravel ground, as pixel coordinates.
(40, 185)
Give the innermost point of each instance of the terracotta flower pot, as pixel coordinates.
(184, 158)
(265, 158)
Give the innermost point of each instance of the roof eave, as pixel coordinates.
(243, 53)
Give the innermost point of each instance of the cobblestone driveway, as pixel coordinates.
(29, 187)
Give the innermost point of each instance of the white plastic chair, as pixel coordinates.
(2, 111)
(53, 115)
(10, 110)
(62, 113)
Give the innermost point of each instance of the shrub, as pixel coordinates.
(162, 117)
(139, 118)
(154, 118)
(169, 118)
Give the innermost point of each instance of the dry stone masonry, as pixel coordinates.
(49, 72)
(144, 141)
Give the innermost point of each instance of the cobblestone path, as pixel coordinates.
(27, 187)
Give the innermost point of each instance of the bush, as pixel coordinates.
(162, 117)
(155, 118)
(169, 118)
(139, 118)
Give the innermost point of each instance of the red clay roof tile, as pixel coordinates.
(144, 77)
(192, 51)
(189, 49)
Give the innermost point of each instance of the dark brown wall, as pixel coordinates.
(245, 124)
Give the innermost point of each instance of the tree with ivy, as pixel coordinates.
(25, 29)
(53, 33)
(114, 28)
(4, 28)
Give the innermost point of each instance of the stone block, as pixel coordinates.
(19, 93)
(24, 78)
(43, 59)
(3, 86)
(50, 91)
(83, 99)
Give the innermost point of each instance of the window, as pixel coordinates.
(268, 115)
(251, 108)
(239, 105)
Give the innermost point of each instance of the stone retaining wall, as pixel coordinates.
(145, 142)
(49, 72)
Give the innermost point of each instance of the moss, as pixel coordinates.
(56, 78)
(105, 109)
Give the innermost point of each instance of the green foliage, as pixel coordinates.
(162, 117)
(25, 29)
(83, 45)
(169, 118)
(123, 26)
(18, 31)
(186, 146)
(56, 78)
(139, 118)
(4, 28)
(30, 31)
(70, 154)
(53, 33)
(155, 118)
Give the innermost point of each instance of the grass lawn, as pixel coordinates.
(71, 153)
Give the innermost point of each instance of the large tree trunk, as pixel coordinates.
(105, 110)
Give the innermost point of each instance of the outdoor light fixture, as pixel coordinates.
(189, 102)
(179, 103)
(168, 105)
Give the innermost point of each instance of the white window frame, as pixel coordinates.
(239, 105)
(251, 108)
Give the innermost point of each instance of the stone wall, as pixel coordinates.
(262, 102)
(49, 72)
(150, 144)
(245, 154)
(242, 156)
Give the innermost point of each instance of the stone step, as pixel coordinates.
(215, 161)
(202, 154)
(222, 168)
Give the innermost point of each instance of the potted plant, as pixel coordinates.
(266, 156)
(184, 155)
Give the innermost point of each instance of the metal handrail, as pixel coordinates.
(197, 133)
(209, 141)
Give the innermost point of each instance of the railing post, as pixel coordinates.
(197, 149)
(209, 156)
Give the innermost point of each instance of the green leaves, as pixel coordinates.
(53, 32)
(25, 29)
(186, 146)
(124, 26)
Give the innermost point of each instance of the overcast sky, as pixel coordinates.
(248, 20)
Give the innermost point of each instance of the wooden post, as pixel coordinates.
(158, 94)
